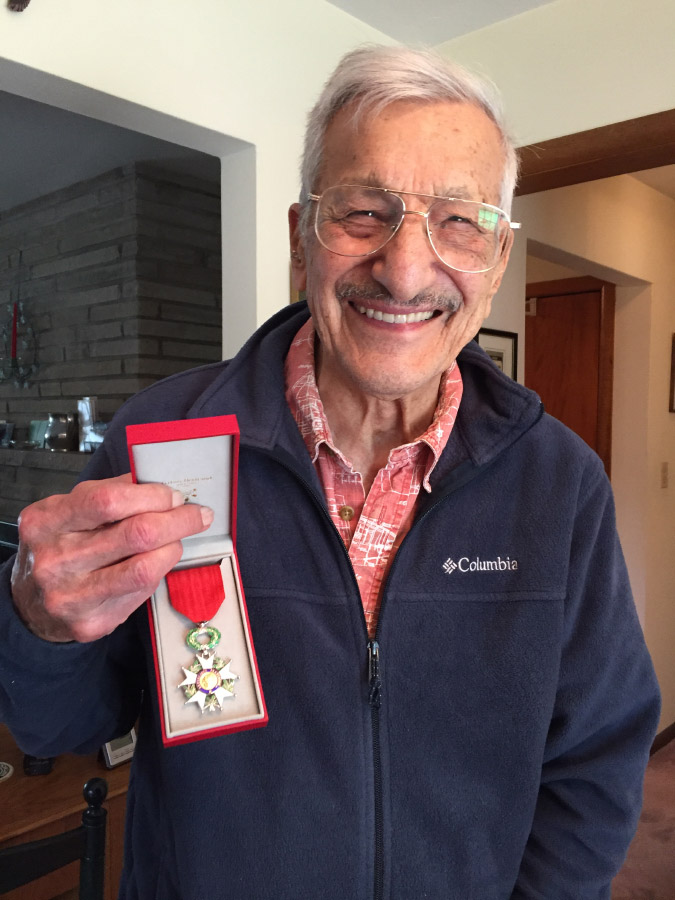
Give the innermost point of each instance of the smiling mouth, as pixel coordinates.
(394, 318)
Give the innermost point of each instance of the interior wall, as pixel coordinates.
(630, 433)
(566, 67)
(508, 304)
(543, 270)
(233, 79)
(621, 230)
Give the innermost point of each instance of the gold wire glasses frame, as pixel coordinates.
(358, 220)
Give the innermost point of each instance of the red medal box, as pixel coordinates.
(210, 686)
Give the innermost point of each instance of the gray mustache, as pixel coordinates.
(436, 299)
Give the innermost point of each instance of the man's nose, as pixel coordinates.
(407, 264)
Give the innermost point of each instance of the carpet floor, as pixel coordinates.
(649, 870)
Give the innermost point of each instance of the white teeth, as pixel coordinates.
(394, 319)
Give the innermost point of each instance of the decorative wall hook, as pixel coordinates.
(18, 357)
(18, 362)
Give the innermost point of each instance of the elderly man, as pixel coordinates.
(460, 700)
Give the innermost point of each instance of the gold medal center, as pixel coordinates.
(208, 680)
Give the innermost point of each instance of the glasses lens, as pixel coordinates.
(355, 221)
(465, 234)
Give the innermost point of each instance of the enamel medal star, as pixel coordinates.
(209, 682)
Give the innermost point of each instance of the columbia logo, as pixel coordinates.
(501, 564)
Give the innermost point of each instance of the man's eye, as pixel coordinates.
(362, 222)
(362, 213)
(458, 221)
(349, 214)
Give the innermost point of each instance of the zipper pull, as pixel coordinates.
(374, 682)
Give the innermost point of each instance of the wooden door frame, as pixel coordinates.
(617, 149)
(582, 285)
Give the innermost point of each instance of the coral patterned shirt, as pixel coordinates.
(372, 527)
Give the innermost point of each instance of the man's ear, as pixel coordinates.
(298, 266)
(498, 272)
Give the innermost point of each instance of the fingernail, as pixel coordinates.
(207, 515)
(177, 499)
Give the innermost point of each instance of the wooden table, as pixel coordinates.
(37, 806)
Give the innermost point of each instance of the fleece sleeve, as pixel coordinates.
(58, 697)
(605, 718)
(65, 697)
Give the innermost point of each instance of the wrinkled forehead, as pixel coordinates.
(446, 148)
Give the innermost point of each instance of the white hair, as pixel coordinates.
(377, 76)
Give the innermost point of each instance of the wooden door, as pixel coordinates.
(569, 355)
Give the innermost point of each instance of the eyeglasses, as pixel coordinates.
(355, 220)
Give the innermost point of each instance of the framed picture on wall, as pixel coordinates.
(502, 348)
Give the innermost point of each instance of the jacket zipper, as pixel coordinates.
(374, 677)
(374, 692)
(375, 699)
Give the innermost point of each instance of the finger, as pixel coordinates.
(75, 553)
(135, 579)
(90, 607)
(94, 503)
(103, 502)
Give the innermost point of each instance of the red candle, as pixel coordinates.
(14, 318)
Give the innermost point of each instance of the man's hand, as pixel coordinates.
(88, 559)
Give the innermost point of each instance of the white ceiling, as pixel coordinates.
(433, 21)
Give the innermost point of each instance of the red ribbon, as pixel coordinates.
(196, 593)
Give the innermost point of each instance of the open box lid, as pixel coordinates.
(199, 458)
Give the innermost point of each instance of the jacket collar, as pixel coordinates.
(252, 384)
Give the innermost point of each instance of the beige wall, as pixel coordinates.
(576, 64)
(231, 78)
(542, 270)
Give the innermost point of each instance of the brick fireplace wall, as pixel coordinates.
(120, 279)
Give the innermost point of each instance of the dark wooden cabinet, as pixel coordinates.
(41, 805)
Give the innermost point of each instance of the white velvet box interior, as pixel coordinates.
(201, 469)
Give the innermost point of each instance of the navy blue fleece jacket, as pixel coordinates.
(497, 750)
